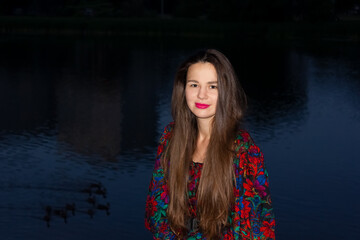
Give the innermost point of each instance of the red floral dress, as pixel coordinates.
(252, 216)
(193, 184)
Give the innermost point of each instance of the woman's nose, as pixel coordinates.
(202, 94)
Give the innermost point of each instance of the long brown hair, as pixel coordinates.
(215, 192)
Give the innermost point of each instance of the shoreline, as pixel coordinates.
(192, 28)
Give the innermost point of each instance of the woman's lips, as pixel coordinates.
(201, 105)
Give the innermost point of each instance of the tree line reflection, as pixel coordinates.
(104, 97)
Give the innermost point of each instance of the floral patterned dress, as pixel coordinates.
(252, 216)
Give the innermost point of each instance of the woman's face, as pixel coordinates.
(201, 90)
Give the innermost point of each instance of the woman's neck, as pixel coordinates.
(203, 138)
(204, 128)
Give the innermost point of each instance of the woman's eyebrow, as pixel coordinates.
(211, 82)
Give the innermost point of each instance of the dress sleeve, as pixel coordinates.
(158, 199)
(253, 216)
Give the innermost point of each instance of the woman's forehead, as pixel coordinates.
(202, 71)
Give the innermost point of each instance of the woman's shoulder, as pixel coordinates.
(243, 135)
(167, 132)
(246, 151)
(243, 141)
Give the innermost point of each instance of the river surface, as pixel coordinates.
(81, 117)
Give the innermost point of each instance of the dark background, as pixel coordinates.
(85, 91)
(245, 10)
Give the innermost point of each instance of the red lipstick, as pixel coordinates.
(202, 106)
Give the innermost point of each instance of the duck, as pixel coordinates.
(70, 207)
(47, 219)
(91, 212)
(104, 207)
(61, 213)
(48, 210)
(91, 200)
(47, 216)
(101, 191)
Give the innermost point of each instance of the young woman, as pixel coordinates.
(209, 180)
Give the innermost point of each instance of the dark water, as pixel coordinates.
(83, 115)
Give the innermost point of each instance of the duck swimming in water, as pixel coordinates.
(101, 191)
(70, 207)
(61, 213)
(104, 207)
(91, 212)
(91, 200)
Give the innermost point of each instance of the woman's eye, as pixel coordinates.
(213, 87)
(193, 85)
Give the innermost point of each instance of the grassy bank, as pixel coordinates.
(342, 30)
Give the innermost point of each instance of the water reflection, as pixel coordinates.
(25, 99)
(89, 116)
(77, 112)
(275, 81)
(69, 209)
(335, 71)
